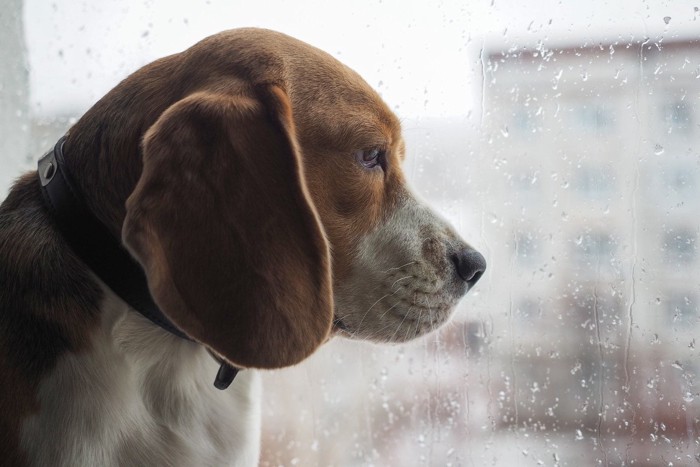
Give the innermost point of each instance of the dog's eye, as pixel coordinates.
(371, 158)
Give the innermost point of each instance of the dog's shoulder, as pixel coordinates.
(141, 397)
(85, 379)
(47, 304)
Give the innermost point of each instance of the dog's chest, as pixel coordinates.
(142, 397)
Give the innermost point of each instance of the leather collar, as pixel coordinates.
(101, 251)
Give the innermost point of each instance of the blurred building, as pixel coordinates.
(597, 208)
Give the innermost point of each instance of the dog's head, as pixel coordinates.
(272, 210)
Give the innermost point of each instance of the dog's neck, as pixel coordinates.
(146, 391)
(106, 165)
(101, 251)
(92, 242)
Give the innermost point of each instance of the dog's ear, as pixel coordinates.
(224, 227)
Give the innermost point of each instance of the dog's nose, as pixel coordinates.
(470, 265)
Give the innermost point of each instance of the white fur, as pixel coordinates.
(140, 396)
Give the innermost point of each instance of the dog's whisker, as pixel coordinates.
(373, 305)
(400, 279)
(400, 267)
(391, 339)
(418, 323)
(389, 309)
(420, 315)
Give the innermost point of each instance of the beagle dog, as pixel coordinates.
(257, 184)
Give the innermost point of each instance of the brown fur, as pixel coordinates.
(237, 157)
(214, 167)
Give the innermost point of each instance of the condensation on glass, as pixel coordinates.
(578, 177)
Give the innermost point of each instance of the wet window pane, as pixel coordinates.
(561, 139)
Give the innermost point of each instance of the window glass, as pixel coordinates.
(560, 139)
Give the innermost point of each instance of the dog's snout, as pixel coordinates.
(469, 264)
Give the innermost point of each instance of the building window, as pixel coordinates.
(527, 248)
(523, 122)
(594, 117)
(594, 248)
(678, 116)
(679, 181)
(682, 309)
(593, 182)
(680, 245)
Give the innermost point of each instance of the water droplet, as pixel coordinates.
(677, 365)
(576, 368)
(667, 19)
(504, 132)
(658, 149)
(557, 78)
(688, 396)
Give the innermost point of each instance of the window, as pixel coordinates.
(559, 137)
(594, 182)
(526, 248)
(682, 310)
(594, 117)
(591, 249)
(678, 116)
(681, 180)
(680, 246)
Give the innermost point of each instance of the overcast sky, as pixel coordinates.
(423, 56)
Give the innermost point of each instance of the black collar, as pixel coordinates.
(100, 250)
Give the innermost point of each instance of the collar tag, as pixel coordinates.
(225, 375)
(47, 168)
